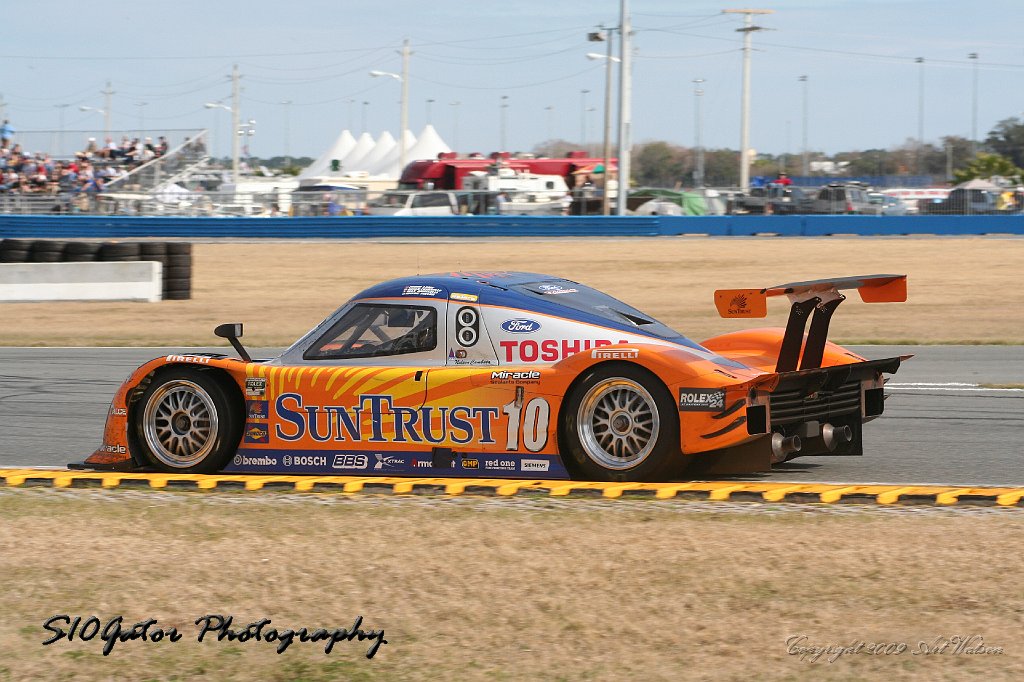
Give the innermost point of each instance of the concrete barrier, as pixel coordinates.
(119, 281)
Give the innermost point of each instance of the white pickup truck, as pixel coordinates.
(434, 203)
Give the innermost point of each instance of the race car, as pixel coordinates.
(510, 375)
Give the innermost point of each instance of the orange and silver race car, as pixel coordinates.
(510, 375)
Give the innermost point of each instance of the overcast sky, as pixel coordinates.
(859, 56)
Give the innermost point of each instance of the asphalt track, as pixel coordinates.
(940, 426)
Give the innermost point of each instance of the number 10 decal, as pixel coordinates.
(532, 421)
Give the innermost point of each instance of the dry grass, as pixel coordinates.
(480, 590)
(961, 290)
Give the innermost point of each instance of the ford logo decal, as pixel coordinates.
(520, 326)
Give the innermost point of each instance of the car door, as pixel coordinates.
(361, 387)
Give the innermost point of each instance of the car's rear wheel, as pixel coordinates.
(188, 422)
(620, 424)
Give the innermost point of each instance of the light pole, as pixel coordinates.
(288, 131)
(625, 108)
(502, 115)
(455, 125)
(235, 152)
(920, 115)
(583, 118)
(351, 106)
(698, 95)
(551, 120)
(974, 105)
(606, 35)
(363, 119)
(247, 129)
(404, 114)
(747, 30)
(429, 102)
(806, 164)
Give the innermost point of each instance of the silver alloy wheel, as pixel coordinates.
(180, 423)
(618, 423)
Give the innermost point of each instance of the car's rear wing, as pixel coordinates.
(820, 296)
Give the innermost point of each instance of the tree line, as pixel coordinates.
(954, 159)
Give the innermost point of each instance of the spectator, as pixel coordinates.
(782, 179)
(566, 202)
(6, 131)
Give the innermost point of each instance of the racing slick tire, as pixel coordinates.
(621, 424)
(188, 422)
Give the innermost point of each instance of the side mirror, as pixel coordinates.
(232, 331)
(229, 330)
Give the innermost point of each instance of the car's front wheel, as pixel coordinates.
(620, 424)
(187, 422)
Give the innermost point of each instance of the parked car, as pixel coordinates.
(782, 199)
(886, 204)
(962, 201)
(844, 198)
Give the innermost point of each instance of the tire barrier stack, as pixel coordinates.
(176, 257)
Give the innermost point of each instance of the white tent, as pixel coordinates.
(385, 143)
(364, 145)
(388, 166)
(428, 145)
(322, 166)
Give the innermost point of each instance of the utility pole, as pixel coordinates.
(404, 123)
(974, 106)
(806, 164)
(625, 109)
(106, 111)
(920, 115)
(606, 35)
(747, 30)
(698, 95)
(236, 132)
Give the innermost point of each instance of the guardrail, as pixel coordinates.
(362, 227)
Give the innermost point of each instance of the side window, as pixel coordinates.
(376, 330)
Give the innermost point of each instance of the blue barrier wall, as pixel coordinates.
(111, 227)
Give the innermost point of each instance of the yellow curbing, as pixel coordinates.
(710, 490)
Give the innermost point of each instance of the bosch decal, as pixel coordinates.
(304, 461)
(701, 400)
(520, 326)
